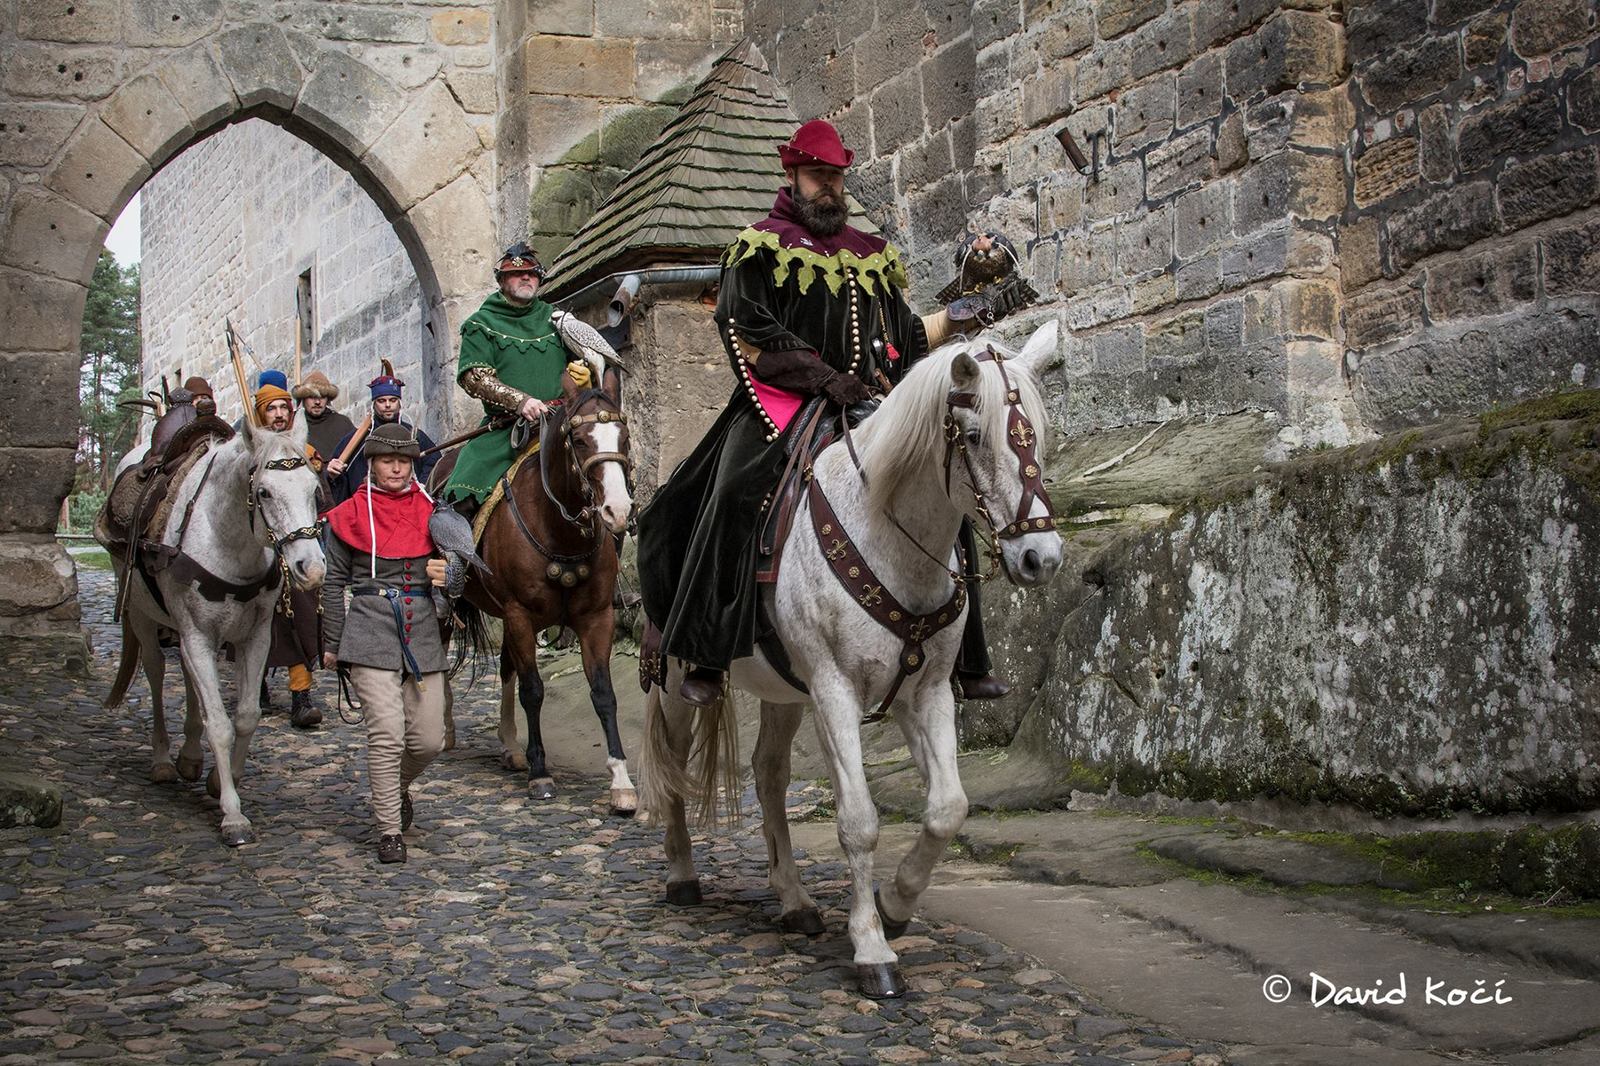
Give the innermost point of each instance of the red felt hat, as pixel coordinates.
(815, 142)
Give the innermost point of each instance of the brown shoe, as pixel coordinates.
(391, 848)
(701, 687)
(303, 714)
(987, 687)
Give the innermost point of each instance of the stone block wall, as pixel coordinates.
(1467, 247)
(228, 228)
(1356, 216)
(587, 86)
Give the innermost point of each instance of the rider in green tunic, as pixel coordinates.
(512, 357)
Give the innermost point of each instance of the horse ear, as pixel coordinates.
(611, 383)
(297, 432)
(1040, 348)
(964, 371)
(248, 431)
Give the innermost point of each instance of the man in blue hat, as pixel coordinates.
(344, 478)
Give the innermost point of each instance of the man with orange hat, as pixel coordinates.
(808, 305)
(297, 631)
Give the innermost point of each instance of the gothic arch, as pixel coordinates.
(68, 170)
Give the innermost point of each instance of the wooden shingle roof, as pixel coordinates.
(713, 171)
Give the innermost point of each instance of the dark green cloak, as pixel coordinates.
(523, 349)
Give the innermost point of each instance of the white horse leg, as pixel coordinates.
(155, 670)
(838, 717)
(930, 732)
(669, 737)
(199, 659)
(779, 723)
(513, 745)
(191, 757)
(249, 666)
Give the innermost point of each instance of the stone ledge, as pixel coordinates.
(25, 800)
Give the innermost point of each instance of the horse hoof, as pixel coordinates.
(624, 802)
(189, 769)
(541, 788)
(684, 893)
(214, 784)
(163, 773)
(807, 920)
(891, 928)
(880, 980)
(238, 836)
(513, 760)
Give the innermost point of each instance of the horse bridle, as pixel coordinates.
(1020, 437)
(274, 538)
(585, 518)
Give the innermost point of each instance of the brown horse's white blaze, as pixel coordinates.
(615, 502)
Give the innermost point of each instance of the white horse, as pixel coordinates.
(955, 438)
(243, 521)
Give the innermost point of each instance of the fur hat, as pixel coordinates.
(813, 143)
(391, 438)
(315, 384)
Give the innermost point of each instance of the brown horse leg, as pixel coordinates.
(594, 638)
(518, 659)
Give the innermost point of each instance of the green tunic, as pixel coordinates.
(523, 349)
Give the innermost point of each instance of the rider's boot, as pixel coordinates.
(974, 671)
(702, 686)
(303, 713)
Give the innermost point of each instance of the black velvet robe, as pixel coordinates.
(697, 536)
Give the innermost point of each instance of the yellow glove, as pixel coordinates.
(579, 372)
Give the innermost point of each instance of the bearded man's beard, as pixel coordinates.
(823, 213)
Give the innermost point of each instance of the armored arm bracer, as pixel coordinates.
(482, 383)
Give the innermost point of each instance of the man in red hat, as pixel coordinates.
(808, 304)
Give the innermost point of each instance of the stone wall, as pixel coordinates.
(1354, 216)
(228, 228)
(1467, 246)
(587, 86)
(1408, 626)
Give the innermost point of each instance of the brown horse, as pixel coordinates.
(551, 549)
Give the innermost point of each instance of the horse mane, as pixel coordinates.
(907, 431)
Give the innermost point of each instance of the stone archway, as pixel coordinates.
(83, 128)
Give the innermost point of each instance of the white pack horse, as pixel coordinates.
(869, 606)
(243, 521)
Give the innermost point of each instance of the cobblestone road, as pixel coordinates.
(514, 933)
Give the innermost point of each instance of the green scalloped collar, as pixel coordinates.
(806, 265)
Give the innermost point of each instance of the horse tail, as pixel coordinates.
(708, 782)
(474, 629)
(125, 668)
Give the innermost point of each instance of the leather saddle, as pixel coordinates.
(137, 504)
(815, 426)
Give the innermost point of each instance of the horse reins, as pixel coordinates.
(851, 569)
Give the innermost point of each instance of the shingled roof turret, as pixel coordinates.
(713, 171)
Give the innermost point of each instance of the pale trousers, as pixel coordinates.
(405, 730)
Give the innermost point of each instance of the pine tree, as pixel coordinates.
(110, 371)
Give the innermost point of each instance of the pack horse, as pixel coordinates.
(868, 607)
(211, 529)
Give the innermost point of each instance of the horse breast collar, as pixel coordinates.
(847, 564)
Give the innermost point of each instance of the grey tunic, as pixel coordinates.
(366, 635)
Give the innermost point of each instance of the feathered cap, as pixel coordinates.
(315, 384)
(520, 257)
(815, 142)
(386, 384)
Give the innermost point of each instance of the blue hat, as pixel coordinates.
(273, 377)
(385, 385)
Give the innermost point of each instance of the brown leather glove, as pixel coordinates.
(802, 370)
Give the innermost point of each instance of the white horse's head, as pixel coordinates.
(999, 428)
(284, 499)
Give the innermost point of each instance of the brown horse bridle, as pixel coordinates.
(610, 413)
(1020, 437)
